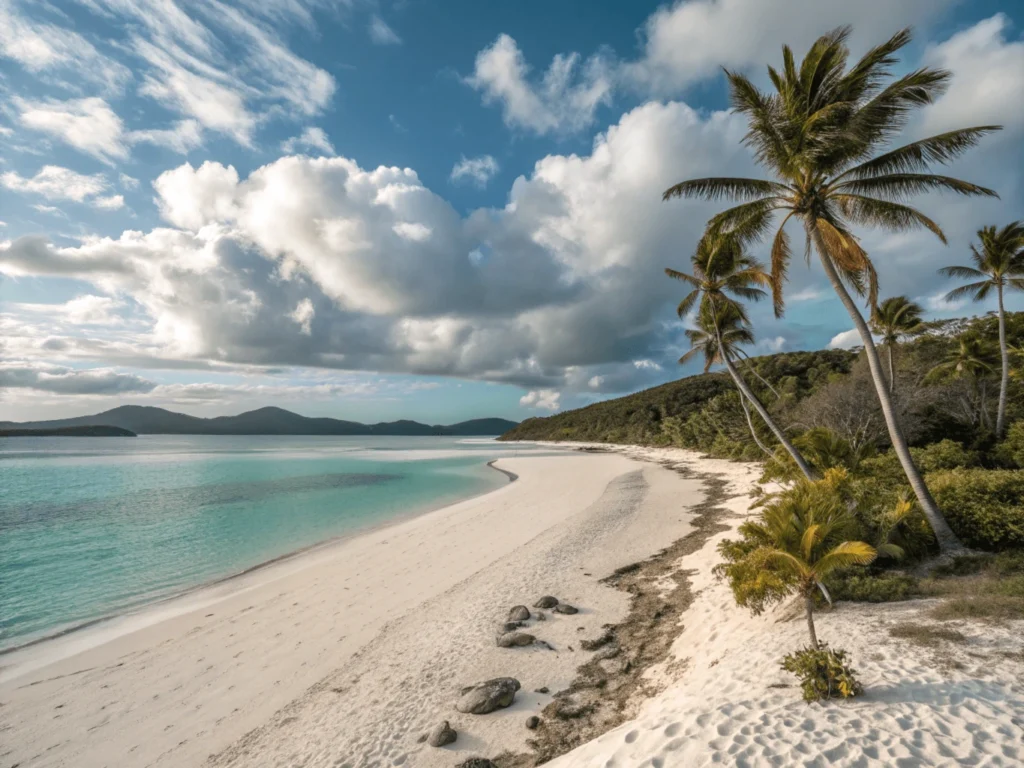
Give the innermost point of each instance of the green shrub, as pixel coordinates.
(863, 586)
(945, 454)
(985, 508)
(823, 673)
(1011, 450)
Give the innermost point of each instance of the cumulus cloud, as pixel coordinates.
(846, 340)
(310, 138)
(542, 399)
(381, 33)
(56, 183)
(691, 40)
(70, 381)
(564, 100)
(477, 170)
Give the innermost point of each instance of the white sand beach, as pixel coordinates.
(347, 655)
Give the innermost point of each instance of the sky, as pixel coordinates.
(429, 209)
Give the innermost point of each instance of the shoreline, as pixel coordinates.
(145, 605)
(410, 600)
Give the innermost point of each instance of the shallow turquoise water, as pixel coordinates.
(90, 527)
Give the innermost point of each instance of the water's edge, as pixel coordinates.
(222, 580)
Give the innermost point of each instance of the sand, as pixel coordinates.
(347, 654)
(725, 701)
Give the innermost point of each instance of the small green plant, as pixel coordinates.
(823, 672)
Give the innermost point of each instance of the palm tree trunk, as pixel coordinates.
(750, 423)
(1004, 381)
(760, 378)
(762, 411)
(809, 609)
(947, 540)
(892, 372)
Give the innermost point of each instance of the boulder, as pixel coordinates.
(532, 722)
(565, 608)
(515, 639)
(488, 696)
(476, 762)
(442, 734)
(546, 602)
(519, 613)
(540, 616)
(545, 689)
(511, 626)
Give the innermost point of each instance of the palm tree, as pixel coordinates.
(896, 318)
(801, 537)
(819, 134)
(973, 359)
(704, 340)
(999, 264)
(721, 268)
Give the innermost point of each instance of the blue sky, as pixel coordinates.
(425, 209)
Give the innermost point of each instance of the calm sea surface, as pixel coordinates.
(90, 527)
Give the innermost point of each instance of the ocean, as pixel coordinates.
(94, 527)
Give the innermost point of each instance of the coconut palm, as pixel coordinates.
(722, 274)
(821, 135)
(973, 359)
(999, 264)
(896, 318)
(800, 538)
(704, 340)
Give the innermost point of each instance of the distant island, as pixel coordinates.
(148, 420)
(99, 430)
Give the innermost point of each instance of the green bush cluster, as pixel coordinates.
(868, 586)
(824, 673)
(985, 508)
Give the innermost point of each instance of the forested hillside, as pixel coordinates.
(938, 396)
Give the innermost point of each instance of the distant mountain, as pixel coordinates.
(147, 420)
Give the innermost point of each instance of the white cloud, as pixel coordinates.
(310, 138)
(56, 183)
(810, 293)
(564, 100)
(381, 33)
(939, 303)
(542, 399)
(846, 340)
(128, 182)
(477, 170)
(57, 53)
(89, 125)
(988, 79)
(691, 40)
(303, 315)
(595, 382)
(69, 381)
(182, 137)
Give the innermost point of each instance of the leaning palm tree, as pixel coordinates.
(819, 135)
(895, 319)
(999, 264)
(704, 340)
(722, 274)
(800, 538)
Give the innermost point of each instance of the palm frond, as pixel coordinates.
(899, 186)
(843, 556)
(963, 273)
(781, 255)
(894, 217)
(719, 188)
(919, 155)
(977, 291)
(677, 275)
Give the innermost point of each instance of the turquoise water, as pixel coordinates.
(90, 527)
